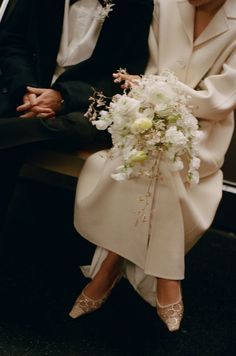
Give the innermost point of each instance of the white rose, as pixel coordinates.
(163, 110)
(161, 93)
(125, 106)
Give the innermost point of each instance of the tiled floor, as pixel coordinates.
(40, 278)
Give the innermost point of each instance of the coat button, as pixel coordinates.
(181, 63)
(4, 90)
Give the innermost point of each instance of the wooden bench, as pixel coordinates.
(56, 168)
(68, 164)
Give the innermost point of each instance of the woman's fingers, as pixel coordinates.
(127, 80)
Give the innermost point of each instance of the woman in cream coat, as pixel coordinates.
(195, 39)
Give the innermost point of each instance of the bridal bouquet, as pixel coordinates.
(151, 121)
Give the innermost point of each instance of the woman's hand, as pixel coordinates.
(126, 79)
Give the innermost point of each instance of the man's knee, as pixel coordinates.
(77, 128)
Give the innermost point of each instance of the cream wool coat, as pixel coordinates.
(177, 214)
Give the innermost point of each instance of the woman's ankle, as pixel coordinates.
(112, 265)
(168, 291)
(108, 273)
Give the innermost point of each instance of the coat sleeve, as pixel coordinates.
(216, 97)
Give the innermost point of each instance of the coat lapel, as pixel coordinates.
(216, 27)
(186, 12)
(210, 43)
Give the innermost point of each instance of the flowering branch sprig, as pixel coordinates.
(107, 7)
(98, 100)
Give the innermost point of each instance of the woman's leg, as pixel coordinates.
(97, 291)
(109, 271)
(168, 291)
(170, 307)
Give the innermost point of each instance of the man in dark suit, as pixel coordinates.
(5, 14)
(54, 113)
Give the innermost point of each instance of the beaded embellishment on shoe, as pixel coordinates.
(85, 305)
(171, 314)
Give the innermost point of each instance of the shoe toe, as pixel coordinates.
(76, 312)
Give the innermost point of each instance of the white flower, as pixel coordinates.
(137, 156)
(141, 125)
(175, 136)
(195, 163)
(125, 106)
(122, 173)
(194, 177)
(161, 94)
(163, 109)
(189, 121)
(100, 124)
(119, 176)
(177, 164)
(148, 112)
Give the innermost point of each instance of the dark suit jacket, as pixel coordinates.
(5, 104)
(10, 7)
(30, 41)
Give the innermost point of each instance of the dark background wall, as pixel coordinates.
(230, 161)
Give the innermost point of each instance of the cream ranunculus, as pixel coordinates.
(161, 93)
(141, 125)
(137, 157)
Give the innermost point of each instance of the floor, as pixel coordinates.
(40, 278)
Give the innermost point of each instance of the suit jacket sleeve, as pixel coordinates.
(15, 56)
